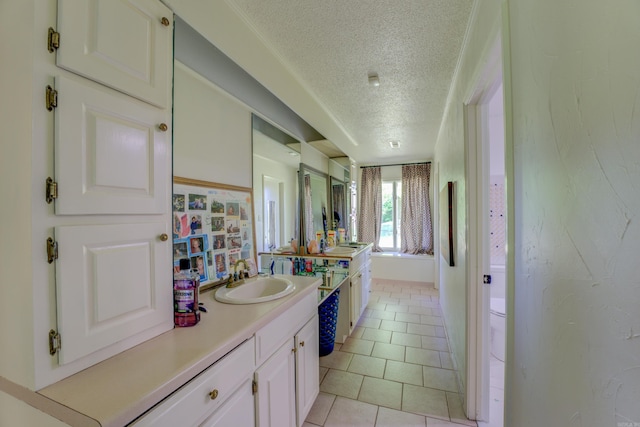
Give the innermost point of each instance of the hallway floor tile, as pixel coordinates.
(395, 369)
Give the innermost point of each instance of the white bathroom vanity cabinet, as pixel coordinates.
(277, 366)
(349, 271)
(242, 365)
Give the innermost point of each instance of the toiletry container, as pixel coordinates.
(186, 284)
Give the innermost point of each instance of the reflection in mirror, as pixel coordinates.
(315, 204)
(349, 215)
(339, 205)
(276, 161)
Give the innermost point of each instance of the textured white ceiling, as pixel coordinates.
(332, 46)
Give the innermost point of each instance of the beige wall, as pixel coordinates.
(212, 132)
(573, 332)
(450, 157)
(16, 296)
(216, 21)
(576, 133)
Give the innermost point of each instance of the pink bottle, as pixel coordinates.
(186, 284)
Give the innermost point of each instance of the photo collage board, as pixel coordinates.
(213, 227)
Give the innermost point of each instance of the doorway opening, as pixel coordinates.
(487, 239)
(495, 219)
(273, 227)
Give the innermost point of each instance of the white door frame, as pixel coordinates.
(277, 187)
(477, 178)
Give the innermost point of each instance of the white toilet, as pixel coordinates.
(497, 322)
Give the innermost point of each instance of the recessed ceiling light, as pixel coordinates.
(394, 144)
(293, 153)
(374, 80)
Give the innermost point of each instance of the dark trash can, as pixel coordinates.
(328, 318)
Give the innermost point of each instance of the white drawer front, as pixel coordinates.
(283, 327)
(356, 263)
(192, 403)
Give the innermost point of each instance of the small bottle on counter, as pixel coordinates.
(186, 284)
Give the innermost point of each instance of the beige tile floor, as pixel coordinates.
(395, 369)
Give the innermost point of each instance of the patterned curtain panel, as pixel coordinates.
(309, 233)
(370, 215)
(416, 228)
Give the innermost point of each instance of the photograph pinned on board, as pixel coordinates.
(217, 207)
(217, 223)
(197, 202)
(177, 227)
(234, 242)
(198, 263)
(178, 202)
(233, 226)
(180, 249)
(218, 242)
(221, 265)
(196, 224)
(198, 244)
(246, 234)
(180, 225)
(243, 212)
(233, 209)
(253, 268)
(234, 256)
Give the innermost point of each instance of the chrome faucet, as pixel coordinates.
(233, 282)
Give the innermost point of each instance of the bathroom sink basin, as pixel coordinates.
(257, 290)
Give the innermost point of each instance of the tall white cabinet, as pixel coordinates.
(99, 248)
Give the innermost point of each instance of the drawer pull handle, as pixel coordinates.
(301, 343)
(293, 350)
(213, 394)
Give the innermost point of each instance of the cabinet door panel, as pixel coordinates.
(112, 282)
(110, 156)
(356, 298)
(307, 368)
(366, 285)
(276, 400)
(119, 43)
(237, 411)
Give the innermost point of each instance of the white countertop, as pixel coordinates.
(340, 255)
(121, 388)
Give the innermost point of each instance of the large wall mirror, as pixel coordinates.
(276, 160)
(340, 196)
(314, 203)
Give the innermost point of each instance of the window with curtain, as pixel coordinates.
(390, 237)
(396, 215)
